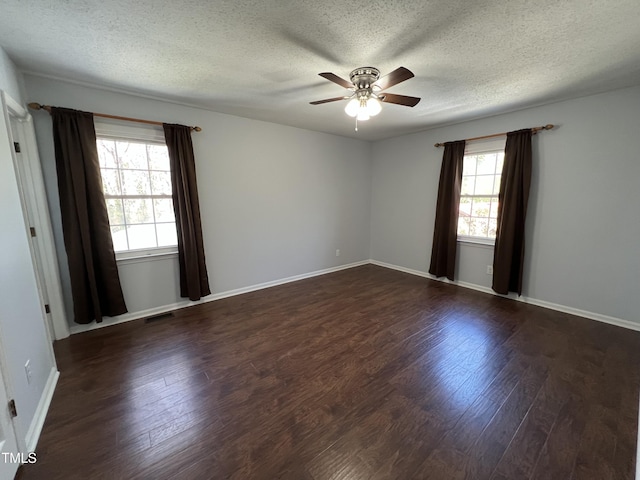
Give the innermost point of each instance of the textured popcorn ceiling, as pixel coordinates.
(260, 58)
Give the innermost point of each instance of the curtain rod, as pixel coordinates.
(534, 130)
(37, 106)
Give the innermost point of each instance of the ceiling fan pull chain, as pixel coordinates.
(356, 124)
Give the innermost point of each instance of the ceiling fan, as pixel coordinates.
(367, 87)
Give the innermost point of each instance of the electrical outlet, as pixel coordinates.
(489, 269)
(27, 370)
(338, 252)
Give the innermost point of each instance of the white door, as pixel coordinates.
(28, 211)
(36, 213)
(10, 458)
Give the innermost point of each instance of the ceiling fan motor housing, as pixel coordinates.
(364, 77)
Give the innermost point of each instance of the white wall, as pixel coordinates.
(276, 201)
(583, 223)
(10, 78)
(22, 328)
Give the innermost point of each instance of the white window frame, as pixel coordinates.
(476, 148)
(147, 134)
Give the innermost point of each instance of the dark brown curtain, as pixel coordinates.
(508, 255)
(194, 282)
(443, 252)
(95, 283)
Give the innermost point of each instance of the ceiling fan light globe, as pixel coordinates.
(363, 115)
(373, 107)
(352, 107)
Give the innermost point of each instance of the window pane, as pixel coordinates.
(500, 162)
(486, 164)
(481, 226)
(463, 225)
(130, 169)
(480, 187)
(110, 181)
(484, 184)
(496, 185)
(132, 155)
(160, 183)
(114, 209)
(107, 153)
(493, 227)
(164, 210)
(481, 206)
(493, 213)
(473, 230)
(465, 207)
(469, 165)
(138, 211)
(119, 237)
(135, 182)
(158, 157)
(467, 185)
(167, 234)
(141, 236)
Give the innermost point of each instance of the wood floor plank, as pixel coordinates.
(522, 454)
(494, 440)
(557, 458)
(365, 373)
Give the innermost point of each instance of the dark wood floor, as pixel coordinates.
(366, 373)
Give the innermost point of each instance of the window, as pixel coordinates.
(478, 212)
(137, 189)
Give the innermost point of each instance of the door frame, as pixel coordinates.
(36, 213)
(10, 443)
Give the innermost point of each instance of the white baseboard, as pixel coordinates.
(619, 322)
(33, 434)
(403, 269)
(274, 283)
(239, 291)
(127, 317)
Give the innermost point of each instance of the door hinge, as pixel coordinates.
(47, 309)
(32, 230)
(16, 147)
(12, 408)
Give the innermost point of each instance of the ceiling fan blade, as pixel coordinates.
(400, 74)
(327, 100)
(399, 99)
(332, 77)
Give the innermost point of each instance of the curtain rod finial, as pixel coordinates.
(197, 129)
(549, 126)
(39, 106)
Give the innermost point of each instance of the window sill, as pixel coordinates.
(477, 242)
(148, 256)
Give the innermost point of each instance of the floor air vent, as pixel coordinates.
(160, 316)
